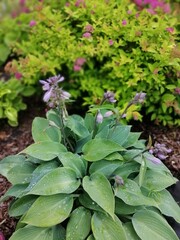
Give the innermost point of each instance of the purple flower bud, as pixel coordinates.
(118, 180)
(86, 35)
(99, 118)
(139, 97)
(108, 114)
(32, 23)
(154, 159)
(109, 96)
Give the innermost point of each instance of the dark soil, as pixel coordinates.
(13, 140)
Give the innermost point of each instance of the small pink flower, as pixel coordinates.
(170, 29)
(86, 35)
(80, 61)
(32, 23)
(177, 90)
(129, 12)
(79, 3)
(77, 68)
(155, 71)
(111, 42)
(22, 2)
(89, 28)
(166, 8)
(124, 22)
(151, 11)
(67, 4)
(18, 75)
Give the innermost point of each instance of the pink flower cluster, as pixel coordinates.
(78, 64)
(151, 5)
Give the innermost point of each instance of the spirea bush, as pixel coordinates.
(88, 177)
(107, 45)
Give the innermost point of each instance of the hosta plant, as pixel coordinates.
(88, 177)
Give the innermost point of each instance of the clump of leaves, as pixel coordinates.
(88, 177)
(107, 45)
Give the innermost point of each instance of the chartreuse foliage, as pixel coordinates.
(89, 181)
(123, 49)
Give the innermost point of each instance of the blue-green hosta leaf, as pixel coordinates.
(40, 171)
(21, 205)
(121, 208)
(104, 167)
(45, 150)
(105, 228)
(73, 161)
(166, 204)
(119, 134)
(79, 224)
(21, 173)
(142, 172)
(76, 124)
(48, 211)
(31, 232)
(99, 189)
(97, 149)
(157, 181)
(114, 156)
(59, 232)
(54, 118)
(130, 232)
(91, 237)
(88, 203)
(126, 169)
(59, 180)
(42, 130)
(9, 162)
(131, 140)
(150, 225)
(131, 194)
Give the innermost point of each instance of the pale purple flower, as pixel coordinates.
(153, 159)
(109, 96)
(108, 114)
(65, 95)
(139, 98)
(86, 35)
(124, 22)
(111, 42)
(160, 151)
(47, 95)
(32, 23)
(99, 118)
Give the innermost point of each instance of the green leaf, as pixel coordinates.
(142, 171)
(31, 232)
(99, 189)
(105, 228)
(104, 167)
(28, 91)
(130, 232)
(114, 156)
(4, 52)
(166, 204)
(120, 134)
(11, 114)
(167, 97)
(150, 225)
(43, 131)
(45, 150)
(79, 224)
(131, 139)
(14, 191)
(59, 232)
(97, 149)
(53, 118)
(73, 161)
(60, 180)
(21, 173)
(9, 162)
(121, 208)
(131, 194)
(91, 237)
(47, 211)
(77, 126)
(21, 205)
(157, 181)
(126, 169)
(87, 202)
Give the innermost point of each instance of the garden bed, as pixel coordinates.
(13, 140)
